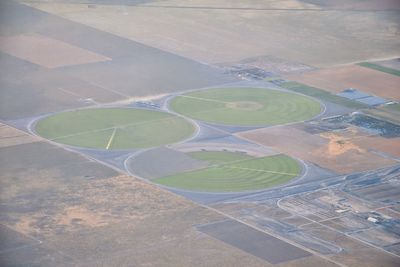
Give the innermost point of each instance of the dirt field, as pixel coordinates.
(364, 79)
(10, 136)
(390, 146)
(47, 52)
(328, 150)
(214, 31)
(59, 209)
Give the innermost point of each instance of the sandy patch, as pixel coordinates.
(338, 145)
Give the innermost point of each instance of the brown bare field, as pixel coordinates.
(328, 150)
(99, 201)
(129, 216)
(353, 76)
(10, 136)
(59, 203)
(47, 52)
(390, 146)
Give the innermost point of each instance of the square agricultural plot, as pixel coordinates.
(252, 241)
(47, 52)
(366, 80)
(328, 150)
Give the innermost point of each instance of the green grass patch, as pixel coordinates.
(246, 106)
(251, 174)
(219, 157)
(114, 128)
(323, 95)
(380, 68)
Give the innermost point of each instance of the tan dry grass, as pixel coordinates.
(227, 35)
(47, 52)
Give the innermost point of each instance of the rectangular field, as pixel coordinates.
(252, 241)
(47, 52)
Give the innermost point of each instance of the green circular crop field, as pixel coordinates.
(114, 128)
(233, 172)
(245, 106)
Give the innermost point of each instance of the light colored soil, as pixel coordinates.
(47, 52)
(364, 79)
(228, 35)
(331, 151)
(338, 146)
(10, 136)
(82, 216)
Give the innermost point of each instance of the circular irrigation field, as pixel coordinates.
(245, 106)
(114, 128)
(234, 172)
